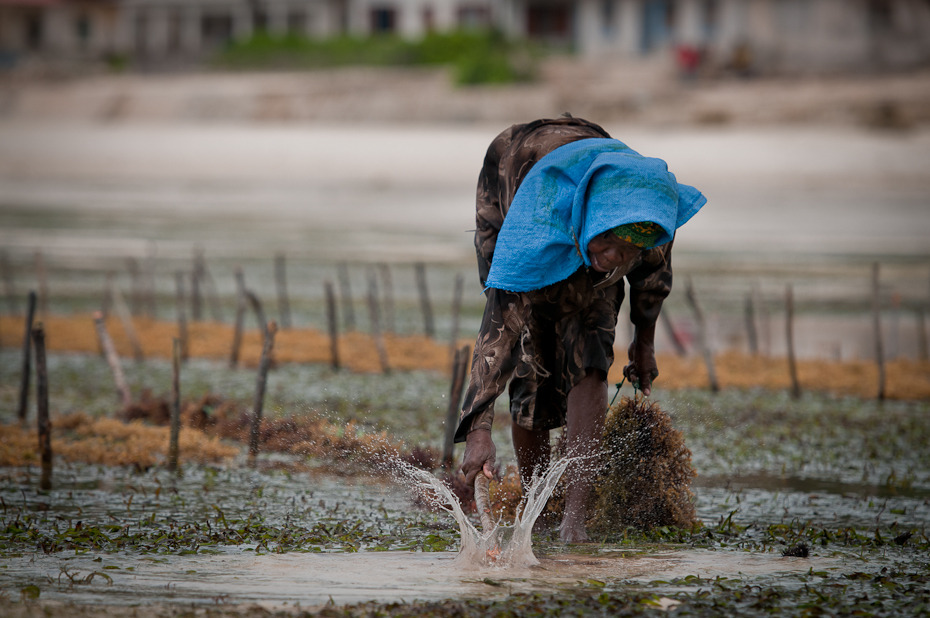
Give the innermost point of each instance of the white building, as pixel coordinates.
(775, 35)
(780, 35)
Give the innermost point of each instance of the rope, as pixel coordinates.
(619, 385)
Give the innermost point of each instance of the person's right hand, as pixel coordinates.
(479, 455)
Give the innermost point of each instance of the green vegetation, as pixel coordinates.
(210, 508)
(475, 57)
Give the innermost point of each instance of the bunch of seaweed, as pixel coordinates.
(645, 479)
(643, 476)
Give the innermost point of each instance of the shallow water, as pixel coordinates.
(318, 573)
(309, 579)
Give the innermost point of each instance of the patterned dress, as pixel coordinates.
(544, 341)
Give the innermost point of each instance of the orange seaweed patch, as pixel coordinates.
(206, 423)
(107, 441)
(906, 379)
(357, 350)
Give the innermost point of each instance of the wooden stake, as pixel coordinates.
(8, 287)
(673, 335)
(173, 448)
(345, 292)
(387, 286)
(44, 424)
(122, 389)
(789, 337)
(182, 314)
(259, 312)
(702, 337)
(196, 279)
(456, 310)
(240, 319)
(459, 373)
(27, 359)
(42, 277)
(333, 322)
(750, 318)
(373, 312)
(877, 328)
(280, 277)
(255, 433)
(125, 318)
(425, 305)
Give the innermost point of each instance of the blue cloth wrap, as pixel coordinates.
(571, 195)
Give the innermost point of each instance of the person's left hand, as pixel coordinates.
(642, 369)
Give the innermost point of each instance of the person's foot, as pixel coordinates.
(572, 532)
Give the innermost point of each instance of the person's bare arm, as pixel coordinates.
(492, 365)
(650, 284)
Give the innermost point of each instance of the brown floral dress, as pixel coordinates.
(544, 341)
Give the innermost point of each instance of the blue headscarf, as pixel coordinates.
(571, 195)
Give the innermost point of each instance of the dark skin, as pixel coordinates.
(587, 407)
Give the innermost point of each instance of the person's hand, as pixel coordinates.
(642, 369)
(479, 456)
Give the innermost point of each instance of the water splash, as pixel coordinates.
(502, 546)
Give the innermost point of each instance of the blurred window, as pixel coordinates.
(880, 14)
(608, 15)
(34, 30)
(82, 27)
(429, 19)
(260, 20)
(217, 29)
(658, 18)
(550, 23)
(710, 18)
(297, 22)
(383, 20)
(174, 32)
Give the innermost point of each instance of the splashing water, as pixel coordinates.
(501, 546)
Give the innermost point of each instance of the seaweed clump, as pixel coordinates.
(645, 480)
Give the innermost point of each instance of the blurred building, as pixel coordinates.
(760, 35)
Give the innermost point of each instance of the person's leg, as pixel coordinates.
(587, 407)
(532, 449)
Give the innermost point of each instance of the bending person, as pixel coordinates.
(564, 214)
